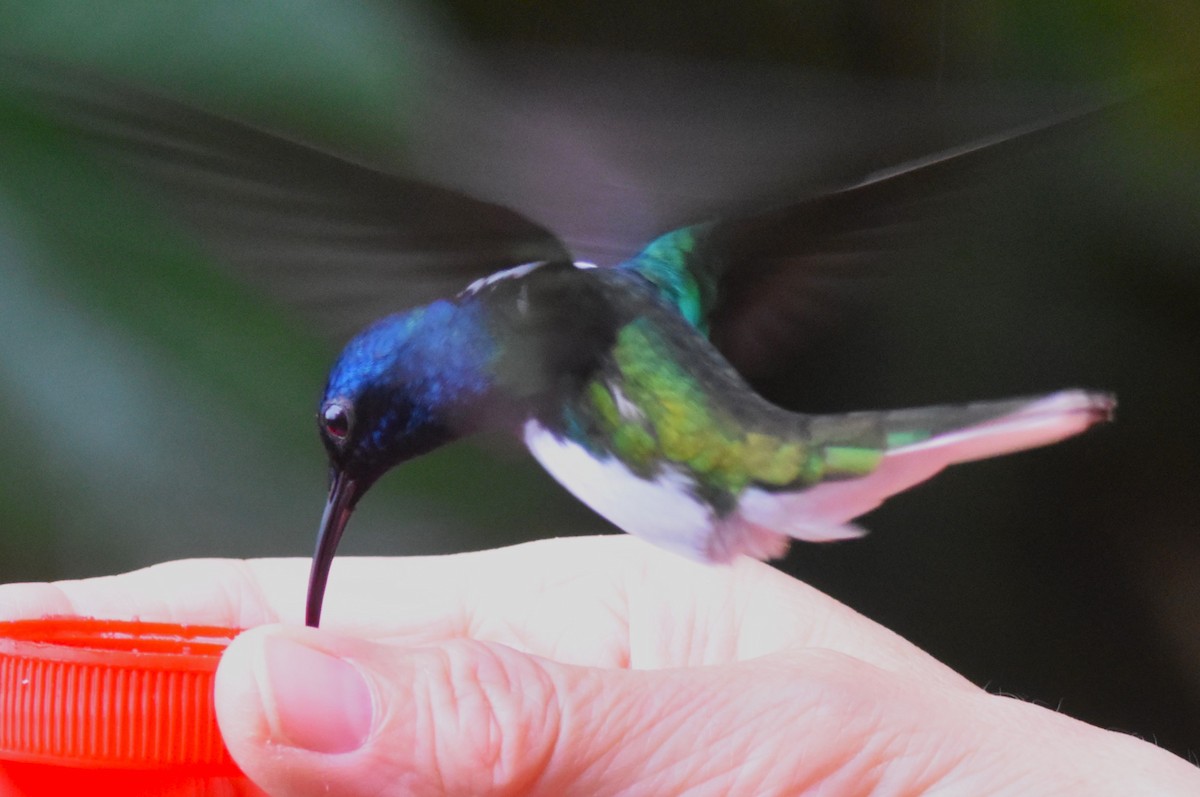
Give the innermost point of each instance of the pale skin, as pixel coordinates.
(596, 666)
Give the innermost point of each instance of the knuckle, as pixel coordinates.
(489, 720)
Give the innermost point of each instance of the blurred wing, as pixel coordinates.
(610, 150)
(343, 241)
(606, 151)
(760, 285)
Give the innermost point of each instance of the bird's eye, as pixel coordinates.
(336, 420)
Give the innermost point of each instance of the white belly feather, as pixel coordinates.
(664, 511)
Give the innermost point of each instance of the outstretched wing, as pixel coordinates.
(342, 241)
(508, 138)
(758, 284)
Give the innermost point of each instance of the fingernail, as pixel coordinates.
(314, 700)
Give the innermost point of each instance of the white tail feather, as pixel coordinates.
(1039, 423)
(821, 513)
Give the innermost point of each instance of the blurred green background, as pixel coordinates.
(159, 366)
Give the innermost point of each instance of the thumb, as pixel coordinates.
(306, 712)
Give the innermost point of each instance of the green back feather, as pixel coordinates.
(650, 410)
(669, 263)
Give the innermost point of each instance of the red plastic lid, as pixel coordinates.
(107, 695)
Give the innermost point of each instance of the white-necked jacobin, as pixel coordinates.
(625, 383)
(609, 377)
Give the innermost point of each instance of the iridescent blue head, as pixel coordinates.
(403, 386)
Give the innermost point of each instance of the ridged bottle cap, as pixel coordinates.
(79, 695)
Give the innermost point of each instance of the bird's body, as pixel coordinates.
(609, 379)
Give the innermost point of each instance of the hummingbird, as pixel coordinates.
(631, 384)
(611, 379)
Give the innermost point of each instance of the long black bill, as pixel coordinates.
(343, 494)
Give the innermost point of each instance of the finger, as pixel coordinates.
(309, 713)
(225, 592)
(602, 601)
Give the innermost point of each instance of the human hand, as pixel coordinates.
(595, 666)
